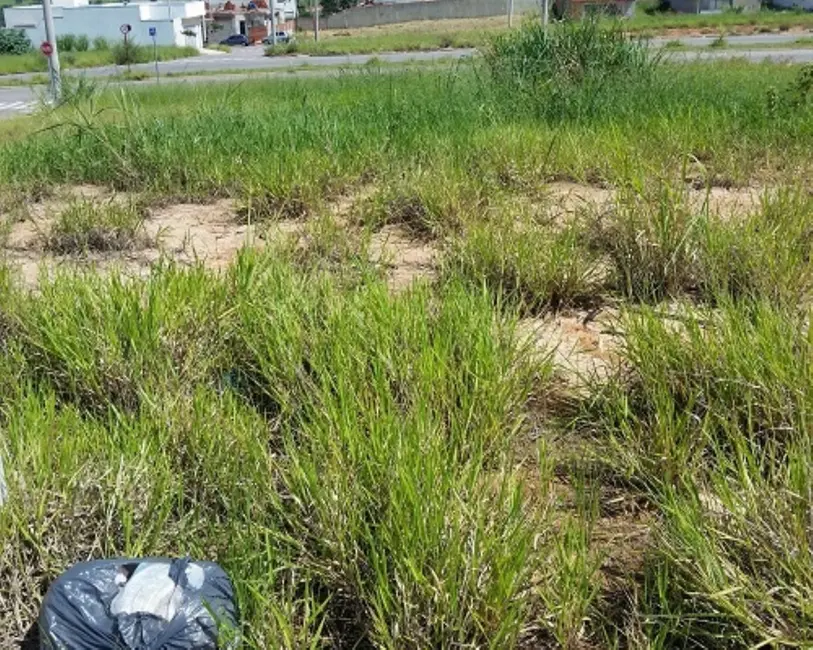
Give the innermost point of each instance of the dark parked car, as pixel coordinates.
(235, 39)
(282, 37)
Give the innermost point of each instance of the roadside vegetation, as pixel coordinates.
(18, 56)
(478, 32)
(732, 21)
(426, 464)
(428, 35)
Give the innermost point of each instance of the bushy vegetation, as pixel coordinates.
(14, 41)
(429, 540)
(85, 226)
(98, 56)
(73, 43)
(130, 52)
(570, 70)
(422, 468)
(127, 52)
(712, 417)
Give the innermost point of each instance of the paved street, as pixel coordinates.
(15, 100)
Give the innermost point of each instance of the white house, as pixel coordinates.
(176, 23)
(251, 18)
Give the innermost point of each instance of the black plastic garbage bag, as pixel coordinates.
(147, 604)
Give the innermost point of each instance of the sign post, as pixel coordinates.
(273, 24)
(52, 53)
(153, 32)
(126, 29)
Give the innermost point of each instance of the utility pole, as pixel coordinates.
(53, 57)
(316, 20)
(510, 14)
(273, 24)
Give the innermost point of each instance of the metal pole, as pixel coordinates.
(510, 13)
(273, 25)
(316, 21)
(155, 56)
(545, 14)
(53, 59)
(127, 49)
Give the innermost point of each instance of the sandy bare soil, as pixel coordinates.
(582, 343)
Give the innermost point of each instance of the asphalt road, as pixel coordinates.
(15, 100)
(252, 58)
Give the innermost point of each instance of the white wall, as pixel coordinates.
(286, 8)
(191, 25)
(407, 11)
(105, 20)
(162, 10)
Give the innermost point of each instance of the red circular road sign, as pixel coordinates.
(46, 48)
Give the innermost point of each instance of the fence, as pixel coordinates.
(368, 16)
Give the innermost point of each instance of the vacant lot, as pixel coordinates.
(477, 32)
(508, 356)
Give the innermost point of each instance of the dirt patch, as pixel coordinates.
(32, 266)
(187, 233)
(566, 200)
(346, 208)
(194, 233)
(62, 196)
(209, 233)
(622, 531)
(729, 30)
(728, 203)
(584, 344)
(420, 26)
(404, 258)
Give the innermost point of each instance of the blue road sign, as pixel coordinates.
(153, 31)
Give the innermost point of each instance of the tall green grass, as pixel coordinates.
(711, 414)
(332, 43)
(347, 455)
(575, 70)
(538, 268)
(394, 471)
(87, 226)
(328, 133)
(36, 62)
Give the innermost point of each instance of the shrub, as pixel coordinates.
(100, 43)
(14, 41)
(713, 413)
(77, 89)
(82, 43)
(569, 69)
(86, 226)
(66, 43)
(538, 268)
(127, 53)
(652, 242)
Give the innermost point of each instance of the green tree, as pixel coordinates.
(14, 41)
(335, 6)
